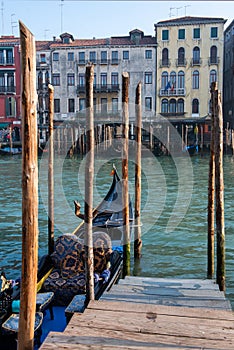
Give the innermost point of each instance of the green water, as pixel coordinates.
(174, 212)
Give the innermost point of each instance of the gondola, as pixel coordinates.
(61, 275)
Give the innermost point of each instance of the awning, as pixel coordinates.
(4, 125)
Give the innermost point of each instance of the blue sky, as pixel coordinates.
(100, 19)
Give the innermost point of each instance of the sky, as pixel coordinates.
(100, 19)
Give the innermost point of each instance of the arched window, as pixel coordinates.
(164, 79)
(213, 55)
(213, 76)
(181, 56)
(181, 80)
(195, 106)
(180, 106)
(164, 106)
(40, 80)
(165, 61)
(196, 55)
(173, 80)
(172, 106)
(196, 79)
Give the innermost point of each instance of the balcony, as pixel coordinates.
(103, 61)
(7, 61)
(181, 62)
(172, 92)
(165, 63)
(196, 62)
(99, 88)
(7, 90)
(213, 60)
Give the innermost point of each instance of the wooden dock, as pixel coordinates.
(150, 313)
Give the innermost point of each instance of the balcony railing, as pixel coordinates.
(172, 92)
(99, 88)
(196, 62)
(7, 89)
(213, 60)
(165, 63)
(7, 61)
(181, 62)
(102, 61)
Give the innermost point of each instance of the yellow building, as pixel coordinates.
(189, 58)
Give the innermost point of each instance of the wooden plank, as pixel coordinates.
(152, 323)
(167, 300)
(167, 291)
(130, 340)
(170, 282)
(161, 309)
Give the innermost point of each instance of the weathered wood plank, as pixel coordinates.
(161, 309)
(151, 322)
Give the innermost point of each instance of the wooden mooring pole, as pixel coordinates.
(219, 194)
(51, 172)
(211, 188)
(125, 194)
(29, 191)
(89, 175)
(137, 231)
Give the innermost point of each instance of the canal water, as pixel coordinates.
(174, 211)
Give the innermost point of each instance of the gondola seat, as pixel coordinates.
(68, 276)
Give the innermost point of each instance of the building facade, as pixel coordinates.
(228, 73)
(189, 58)
(10, 87)
(63, 61)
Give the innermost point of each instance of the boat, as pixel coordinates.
(11, 151)
(61, 275)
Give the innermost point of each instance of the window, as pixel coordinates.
(213, 76)
(148, 54)
(81, 104)
(148, 103)
(2, 60)
(165, 34)
(148, 78)
(181, 34)
(164, 79)
(172, 106)
(81, 79)
(173, 80)
(70, 56)
(103, 79)
(125, 55)
(214, 32)
(213, 55)
(181, 56)
(71, 105)
(103, 56)
(47, 78)
(56, 79)
(92, 56)
(56, 105)
(55, 56)
(165, 61)
(196, 33)
(71, 79)
(195, 79)
(104, 105)
(42, 58)
(164, 106)
(196, 55)
(180, 106)
(114, 57)
(180, 79)
(40, 80)
(9, 56)
(195, 106)
(10, 107)
(114, 105)
(114, 79)
(94, 80)
(82, 57)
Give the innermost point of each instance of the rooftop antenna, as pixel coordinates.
(2, 11)
(45, 32)
(185, 9)
(170, 13)
(13, 23)
(178, 8)
(61, 5)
